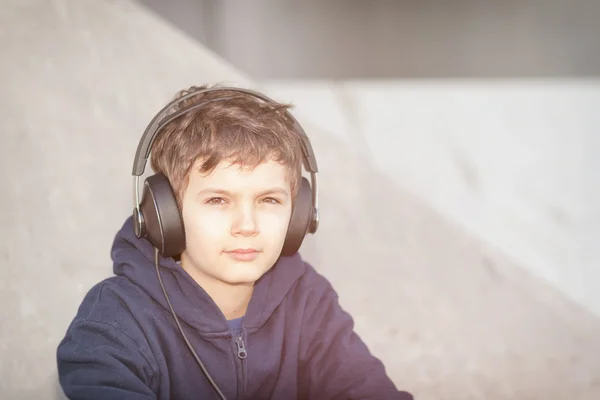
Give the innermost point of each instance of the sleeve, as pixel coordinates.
(98, 361)
(336, 363)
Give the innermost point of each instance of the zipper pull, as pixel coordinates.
(241, 347)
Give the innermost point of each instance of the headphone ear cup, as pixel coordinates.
(300, 219)
(161, 221)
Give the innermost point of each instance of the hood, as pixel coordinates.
(133, 258)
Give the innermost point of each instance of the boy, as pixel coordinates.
(233, 311)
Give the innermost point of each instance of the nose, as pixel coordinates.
(244, 221)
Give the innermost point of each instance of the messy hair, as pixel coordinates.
(239, 129)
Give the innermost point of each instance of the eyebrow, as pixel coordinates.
(274, 190)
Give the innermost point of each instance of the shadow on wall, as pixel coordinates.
(346, 39)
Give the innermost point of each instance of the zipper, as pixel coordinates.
(241, 354)
(241, 347)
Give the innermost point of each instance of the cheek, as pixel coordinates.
(205, 227)
(275, 224)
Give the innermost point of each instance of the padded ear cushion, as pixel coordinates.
(161, 218)
(300, 219)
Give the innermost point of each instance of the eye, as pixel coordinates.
(272, 200)
(216, 201)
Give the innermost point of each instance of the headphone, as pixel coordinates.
(157, 216)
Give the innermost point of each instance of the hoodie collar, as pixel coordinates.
(133, 258)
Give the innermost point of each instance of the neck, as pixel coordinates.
(232, 299)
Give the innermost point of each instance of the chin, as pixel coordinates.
(240, 273)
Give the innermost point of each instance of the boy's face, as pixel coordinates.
(235, 221)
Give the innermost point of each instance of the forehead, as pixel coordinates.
(237, 177)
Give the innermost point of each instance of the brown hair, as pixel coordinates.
(241, 129)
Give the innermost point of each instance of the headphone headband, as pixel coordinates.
(157, 124)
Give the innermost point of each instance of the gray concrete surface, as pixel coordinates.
(356, 39)
(450, 317)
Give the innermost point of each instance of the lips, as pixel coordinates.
(243, 254)
(243, 251)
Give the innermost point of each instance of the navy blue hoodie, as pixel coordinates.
(298, 342)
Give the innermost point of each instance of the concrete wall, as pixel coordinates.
(450, 317)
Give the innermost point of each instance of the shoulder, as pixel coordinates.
(111, 302)
(313, 285)
(314, 279)
(104, 340)
(112, 313)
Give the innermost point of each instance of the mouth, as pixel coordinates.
(243, 254)
(243, 251)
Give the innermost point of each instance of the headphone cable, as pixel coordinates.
(212, 382)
